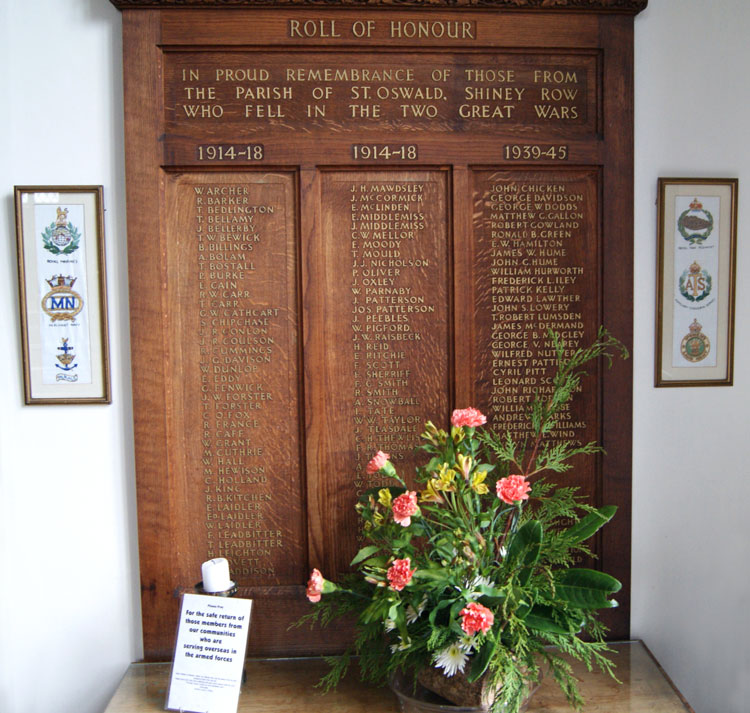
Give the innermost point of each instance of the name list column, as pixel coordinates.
(391, 312)
(246, 375)
(538, 258)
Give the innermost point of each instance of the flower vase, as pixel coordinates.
(457, 688)
(434, 692)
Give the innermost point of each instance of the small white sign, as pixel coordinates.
(209, 654)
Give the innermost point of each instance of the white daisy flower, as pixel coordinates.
(474, 584)
(401, 645)
(413, 614)
(451, 659)
(480, 581)
(467, 643)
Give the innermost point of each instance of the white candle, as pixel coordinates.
(216, 575)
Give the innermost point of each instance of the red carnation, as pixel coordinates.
(468, 417)
(399, 574)
(404, 506)
(377, 462)
(512, 489)
(315, 586)
(476, 617)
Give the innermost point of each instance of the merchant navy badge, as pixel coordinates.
(695, 346)
(61, 303)
(696, 223)
(61, 237)
(66, 359)
(695, 283)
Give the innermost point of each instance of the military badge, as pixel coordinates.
(695, 283)
(695, 345)
(61, 303)
(696, 223)
(61, 237)
(66, 361)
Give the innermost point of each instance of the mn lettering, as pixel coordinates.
(63, 303)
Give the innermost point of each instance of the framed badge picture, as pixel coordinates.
(697, 238)
(63, 295)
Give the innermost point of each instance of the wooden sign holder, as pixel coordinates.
(345, 219)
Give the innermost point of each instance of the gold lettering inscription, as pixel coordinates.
(392, 310)
(313, 29)
(308, 28)
(433, 29)
(239, 340)
(532, 235)
(418, 92)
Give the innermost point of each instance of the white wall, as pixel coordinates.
(69, 616)
(69, 608)
(691, 446)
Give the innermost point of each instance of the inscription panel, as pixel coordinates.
(453, 92)
(536, 242)
(234, 280)
(387, 316)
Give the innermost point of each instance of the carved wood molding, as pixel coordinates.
(621, 6)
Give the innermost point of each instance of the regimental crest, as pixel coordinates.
(61, 303)
(696, 223)
(61, 237)
(695, 283)
(66, 360)
(695, 345)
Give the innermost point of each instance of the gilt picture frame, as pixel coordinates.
(62, 294)
(696, 275)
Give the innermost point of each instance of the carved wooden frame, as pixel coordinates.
(620, 6)
(600, 32)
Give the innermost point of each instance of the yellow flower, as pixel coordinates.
(446, 479)
(433, 434)
(430, 495)
(477, 483)
(384, 497)
(465, 463)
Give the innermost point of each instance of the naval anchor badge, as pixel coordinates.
(695, 345)
(696, 223)
(695, 283)
(66, 359)
(61, 237)
(61, 303)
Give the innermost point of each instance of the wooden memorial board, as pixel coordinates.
(344, 220)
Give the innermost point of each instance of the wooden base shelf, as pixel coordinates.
(287, 686)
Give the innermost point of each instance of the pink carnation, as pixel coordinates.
(315, 586)
(399, 574)
(512, 489)
(476, 617)
(468, 417)
(404, 506)
(377, 462)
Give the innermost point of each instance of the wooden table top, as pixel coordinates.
(287, 686)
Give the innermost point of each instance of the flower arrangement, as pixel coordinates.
(472, 584)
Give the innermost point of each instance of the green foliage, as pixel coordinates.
(586, 588)
(474, 581)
